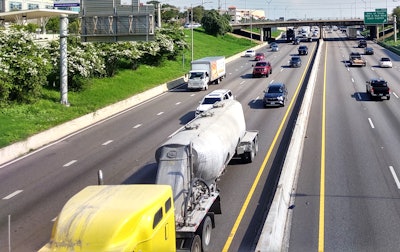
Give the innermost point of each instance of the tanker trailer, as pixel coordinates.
(194, 158)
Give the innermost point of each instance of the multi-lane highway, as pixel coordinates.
(355, 152)
(348, 191)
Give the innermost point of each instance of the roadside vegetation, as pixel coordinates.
(20, 119)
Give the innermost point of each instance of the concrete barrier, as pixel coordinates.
(273, 232)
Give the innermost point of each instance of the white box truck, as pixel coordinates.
(206, 71)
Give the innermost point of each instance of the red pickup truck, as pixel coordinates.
(262, 68)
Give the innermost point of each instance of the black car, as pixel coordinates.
(369, 50)
(303, 50)
(295, 61)
(275, 95)
(362, 43)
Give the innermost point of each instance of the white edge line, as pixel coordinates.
(396, 179)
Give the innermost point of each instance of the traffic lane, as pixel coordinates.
(351, 177)
(244, 236)
(357, 195)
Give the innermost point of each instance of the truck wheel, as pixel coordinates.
(205, 229)
(205, 87)
(256, 145)
(196, 244)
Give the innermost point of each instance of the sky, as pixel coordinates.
(299, 9)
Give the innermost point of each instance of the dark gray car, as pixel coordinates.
(295, 61)
(275, 95)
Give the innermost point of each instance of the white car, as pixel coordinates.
(213, 97)
(385, 62)
(250, 53)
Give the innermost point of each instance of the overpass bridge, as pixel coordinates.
(267, 26)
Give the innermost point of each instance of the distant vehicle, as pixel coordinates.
(259, 56)
(275, 95)
(273, 44)
(362, 43)
(378, 88)
(194, 25)
(356, 59)
(368, 50)
(275, 48)
(385, 62)
(213, 97)
(290, 34)
(262, 68)
(296, 41)
(295, 61)
(303, 50)
(352, 32)
(250, 53)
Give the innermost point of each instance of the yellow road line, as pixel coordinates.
(321, 232)
(264, 163)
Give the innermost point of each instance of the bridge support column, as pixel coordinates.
(261, 35)
(267, 34)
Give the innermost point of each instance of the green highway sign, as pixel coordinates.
(379, 16)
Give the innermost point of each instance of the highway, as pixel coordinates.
(34, 189)
(348, 190)
(347, 195)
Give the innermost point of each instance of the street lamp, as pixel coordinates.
(268, 2)
(395, 27)
(191, 22)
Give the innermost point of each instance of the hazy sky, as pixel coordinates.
(300, 9)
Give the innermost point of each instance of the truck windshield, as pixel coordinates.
(196, 75)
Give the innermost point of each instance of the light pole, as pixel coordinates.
(268, 2)
(395, 27)
(191, 23)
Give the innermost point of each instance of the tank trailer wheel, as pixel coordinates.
(196, 244)
(205, 229)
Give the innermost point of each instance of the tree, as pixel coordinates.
(215, 24)
(24, 66)
(396, 11)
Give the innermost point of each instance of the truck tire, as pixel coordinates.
(205, 87)
(195, 245)
(205, 229)
(248, 157)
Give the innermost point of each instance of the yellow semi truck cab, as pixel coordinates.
(116, 218)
